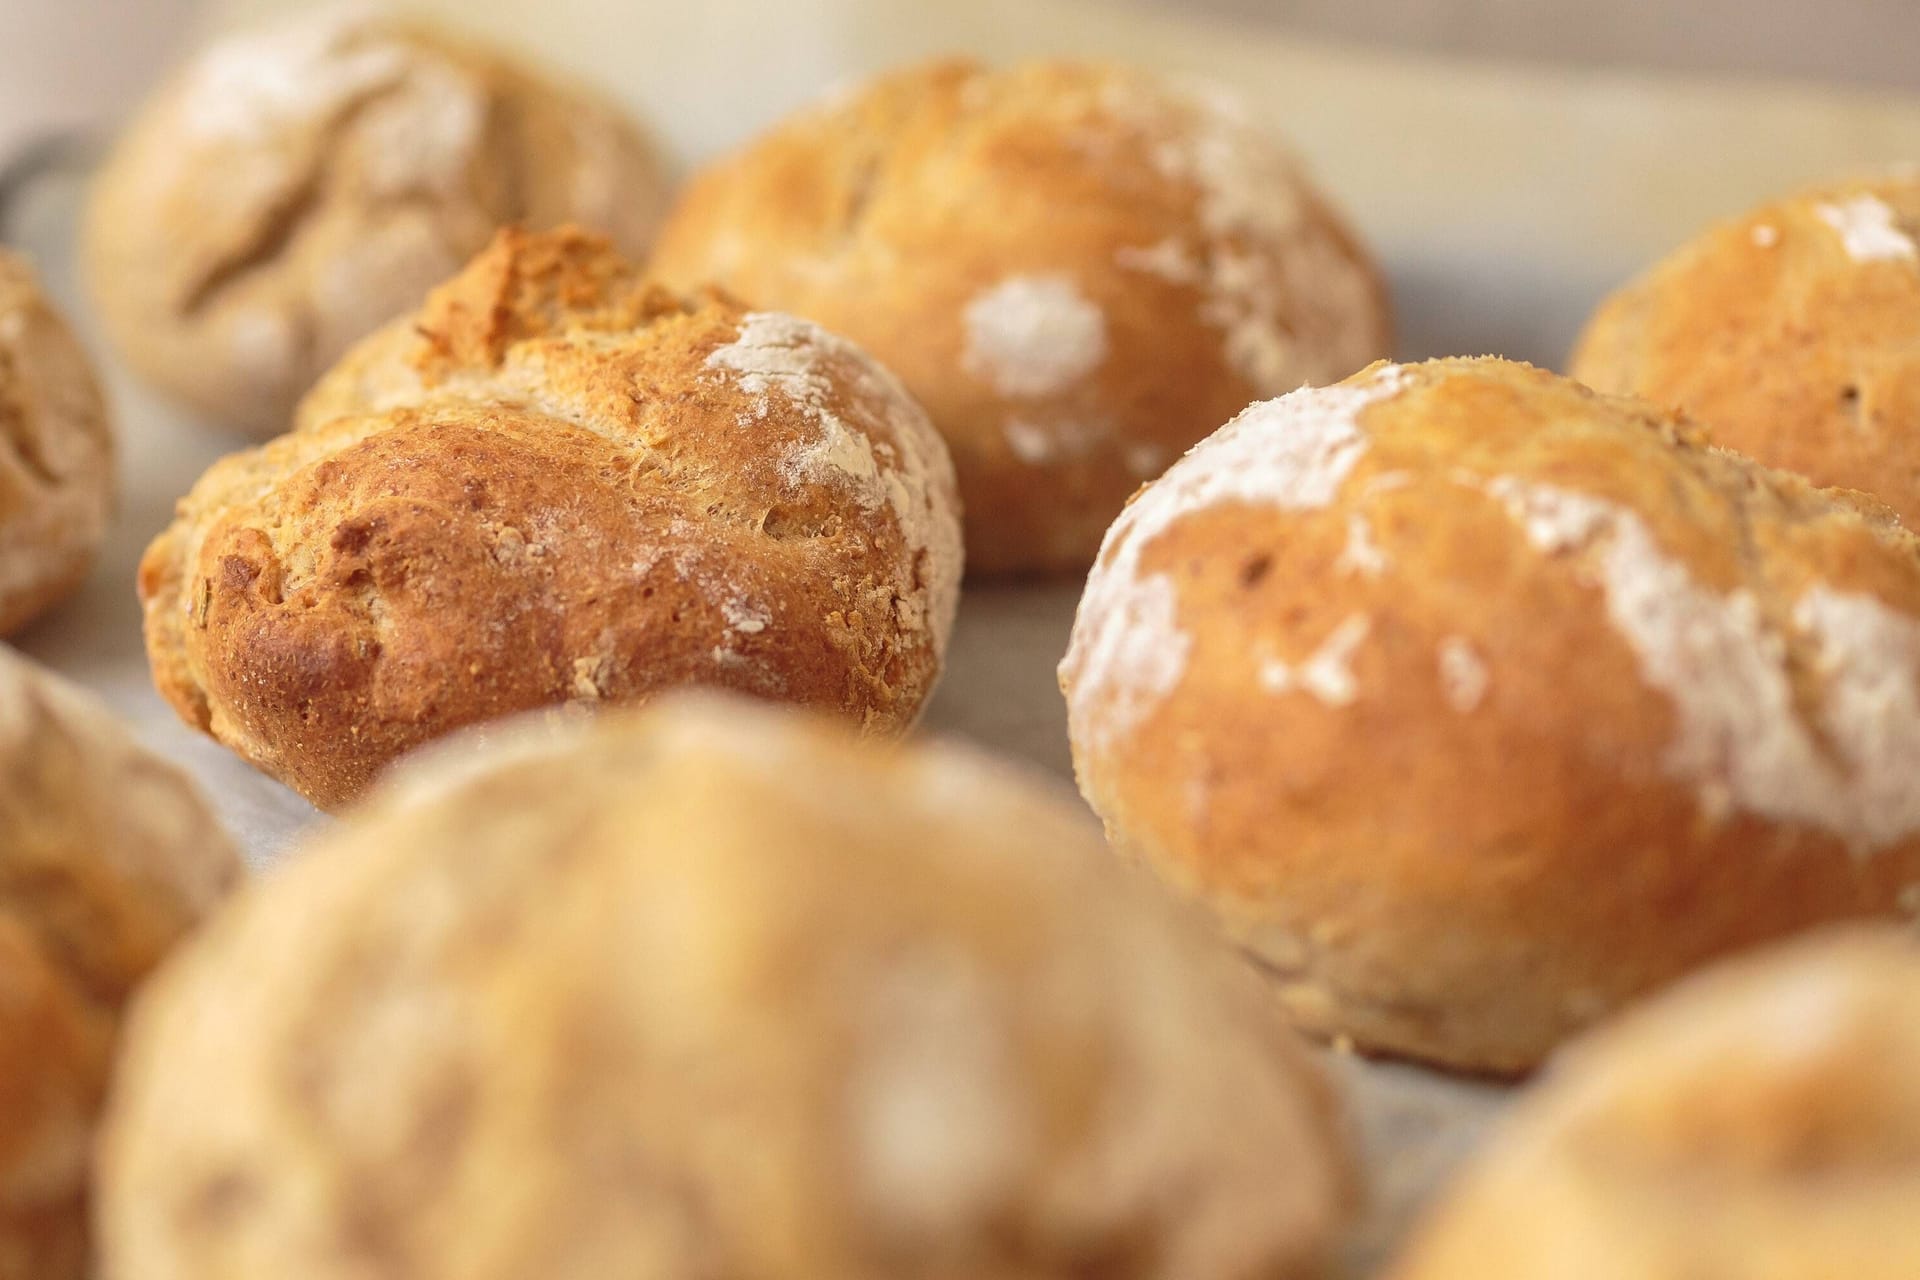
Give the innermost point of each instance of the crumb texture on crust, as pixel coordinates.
(660, 991)
(1638, 701)
(1789, 333)
(56, 453)
(1758, 1121)
(1079, 269)
(558, 484)
(296, 186)
(107, 856)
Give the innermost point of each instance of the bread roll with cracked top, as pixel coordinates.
(1760, 1122)
(1079, 269)
(57, 481)
(1791, 333)
(558, 485)
(295, 187)
(107, 857)
(1476, 704)
(712, 989)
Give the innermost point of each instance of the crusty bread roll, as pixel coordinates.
(1792, 334)
(1079, 269)
(558, 484)
(107, 856)
(56, 453)
(1760, 1122)
(1475, 703)
(713, 990)
(293, 188)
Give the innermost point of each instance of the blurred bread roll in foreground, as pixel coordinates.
(558, 484)
(1759, 1122)
(1791, 333)
(712, 989)
(1476, 704)
(107, 857)
(57, 480)
(295, 187)
(1079, 269)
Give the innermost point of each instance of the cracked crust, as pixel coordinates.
(294, 188)
(1759, 1122)
(1079, 269)
(1781, 342)
(1488, 703)
(107, 857)
(661, 995)
(56, 453)
(557, 484)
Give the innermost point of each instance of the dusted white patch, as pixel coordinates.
(1766, 235)
(1037, 444)
(1738, 737)
(1171, 260)
(1361, 555)
(1144, 461)
(747, 619)
(1033, 336)
(1327, 673)
(248, 88)
(1463, 676)
(1866, 227)
(1128, 652)
(1031, 444)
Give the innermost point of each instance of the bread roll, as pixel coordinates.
(1079, 269)
(1792, 334)
(57, 479)
(558, 484)
(1760, 1122)
(107, 856)
(1476, 704)
(713, 990)
(293, 188)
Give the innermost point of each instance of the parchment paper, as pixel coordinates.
(1504, 201)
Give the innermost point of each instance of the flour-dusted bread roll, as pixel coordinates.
(294, 188)
(558, 484)
(1759, 1122)
(714, 990)
(1475, 703)
(107, 856)
(1079, 269)
(56, 453)
(1792, 334)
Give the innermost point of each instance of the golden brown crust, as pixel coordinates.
(294, 188)
(107, 856)
(1789, 333)
(1477, 704)
(1078, 269)
(558, 484)
(1758, 1123)
(56, 453)
(663, 994)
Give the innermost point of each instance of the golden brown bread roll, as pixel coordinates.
(1791, 333)
(1475, 703)
(558, 484)
(1079, 269)
(714, 990)
(1760, 1122)
(107, 856)
(57, 478)
(293, 188)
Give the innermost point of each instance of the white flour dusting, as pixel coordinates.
(1866, 227)
(1463, 676)
(1128, 651)
(1361, 555)
(1326, 673)
(1766, 235)
(1033, 336)
(250, 87)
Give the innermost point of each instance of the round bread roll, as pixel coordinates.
(1079, 269)
(107, 856)
(56, 453)
(558, 484)
(1760, 1122)
(714, 990)
(1475, 703)
(1792, 334)
(293, 188)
